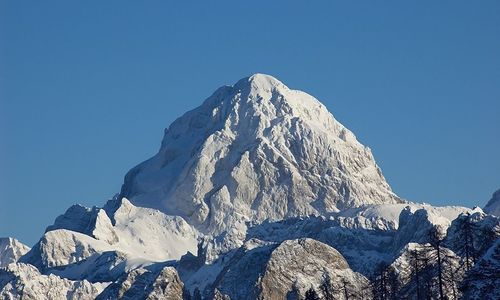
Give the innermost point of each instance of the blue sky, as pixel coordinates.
(86, 89)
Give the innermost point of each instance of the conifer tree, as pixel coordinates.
(326, 288)
(311, 294)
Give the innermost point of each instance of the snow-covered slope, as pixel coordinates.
(11, 250)
(254, 151)
(493, 206)
(142, 232)
(141, 283)
(99, 248)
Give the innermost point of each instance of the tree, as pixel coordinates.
(346, 290)
(447, 265)
(482, 281)
(465, 244)
(386, 284)
(311, 294)
(326, 288)
(379, 289)
(416, 261)
(436, 240)
(196, 294)
(392, 283)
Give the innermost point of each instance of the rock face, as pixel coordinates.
(493, 206)
(11, 250)
(297, 265)
(146, 284)
(254, 151)
(280, 271)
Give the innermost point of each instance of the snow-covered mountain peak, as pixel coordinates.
(11, 250)
(253, 151)
(259, 82)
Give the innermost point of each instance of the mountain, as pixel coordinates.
(11, 250)
(493, 206)
(256, 151)
(24, 281)
(259, 193)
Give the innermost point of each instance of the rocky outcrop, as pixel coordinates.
(146, 284)
(11, 250)
(271, 271)
(298, 265)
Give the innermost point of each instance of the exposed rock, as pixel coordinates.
(62, 247)
(146, 284)
(301, 264)
(91, 221)
(267, 271)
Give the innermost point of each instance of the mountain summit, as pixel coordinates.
(253, 151)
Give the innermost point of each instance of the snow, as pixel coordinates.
(390, 212)
(493, 206)
(140, 232)
(11, 250)
(255, 151)
(139, 237)
(23, 281)
(265, 186)
(150, 234)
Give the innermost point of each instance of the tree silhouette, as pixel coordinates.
(311, 294)
(326, 288)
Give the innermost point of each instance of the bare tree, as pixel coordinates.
(436, 240)
(385, 284)
(416, 261)
(465, 244)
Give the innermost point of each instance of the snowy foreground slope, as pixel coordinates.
(259, 193)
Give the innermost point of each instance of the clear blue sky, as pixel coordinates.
(87, 87)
